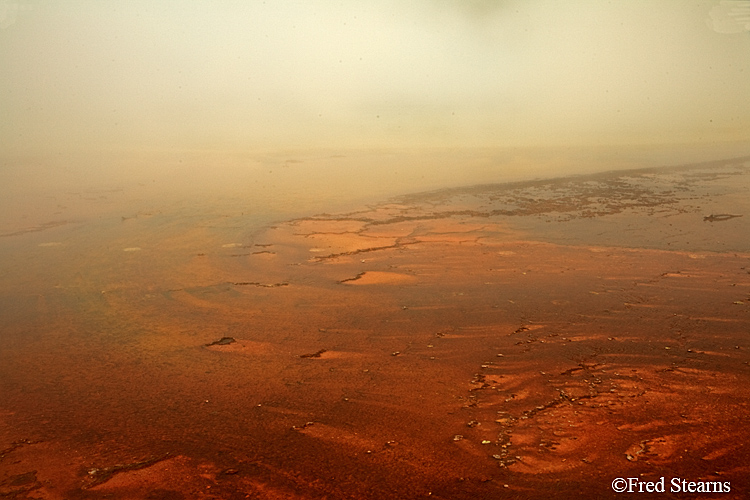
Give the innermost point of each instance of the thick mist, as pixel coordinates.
(379, 97)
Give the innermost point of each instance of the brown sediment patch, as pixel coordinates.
(333, 354)
(380, 278)
(222, 341)
(720, 217)
(268, 254)
(315, 354)
(258, 284)
(243, 346)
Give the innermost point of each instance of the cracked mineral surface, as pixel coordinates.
(528, 340)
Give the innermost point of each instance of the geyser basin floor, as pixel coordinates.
(528, 341)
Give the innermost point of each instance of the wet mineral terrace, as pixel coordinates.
(532, 340)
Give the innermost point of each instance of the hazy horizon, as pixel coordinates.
(245, 76)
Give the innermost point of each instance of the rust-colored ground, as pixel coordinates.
(530, 341)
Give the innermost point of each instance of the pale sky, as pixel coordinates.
(251, 75)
